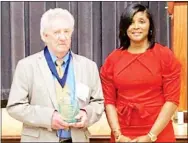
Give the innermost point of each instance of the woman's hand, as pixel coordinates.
(145, 138)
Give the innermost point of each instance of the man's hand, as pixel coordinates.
(145, 138)
(57, 122)
(82, 120)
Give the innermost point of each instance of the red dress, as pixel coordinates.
(138, 85)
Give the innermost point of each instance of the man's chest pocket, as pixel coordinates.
(82, 93)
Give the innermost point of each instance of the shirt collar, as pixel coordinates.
(54, 58)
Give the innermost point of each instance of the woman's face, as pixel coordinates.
(139, 28)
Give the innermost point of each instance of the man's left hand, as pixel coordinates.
(82, 120)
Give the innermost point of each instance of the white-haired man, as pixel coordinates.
(40, 87)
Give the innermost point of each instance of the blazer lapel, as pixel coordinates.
(78, 135)
(48, 78)
(76, 67)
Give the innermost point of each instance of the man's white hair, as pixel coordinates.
(48, 17)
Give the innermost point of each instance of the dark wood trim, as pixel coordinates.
(92, 140)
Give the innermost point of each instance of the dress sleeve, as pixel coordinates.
(106, 74)
(171, 70)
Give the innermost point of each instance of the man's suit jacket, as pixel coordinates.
(32, 98)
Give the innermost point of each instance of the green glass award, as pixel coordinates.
(68, 109)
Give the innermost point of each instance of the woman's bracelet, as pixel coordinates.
(117, 134)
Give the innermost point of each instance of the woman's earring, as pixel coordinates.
(150, 32)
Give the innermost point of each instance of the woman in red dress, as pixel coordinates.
(141, 82)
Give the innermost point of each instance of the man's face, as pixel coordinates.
(58, 36)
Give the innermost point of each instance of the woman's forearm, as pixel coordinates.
(112, 117)
(163, 118)
(113, 122)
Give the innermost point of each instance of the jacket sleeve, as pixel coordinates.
(18, 105)
(95, 107)
(106, 74)
(171, 71)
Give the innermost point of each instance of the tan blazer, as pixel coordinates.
(32, 98)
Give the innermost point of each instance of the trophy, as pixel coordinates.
(68, 109)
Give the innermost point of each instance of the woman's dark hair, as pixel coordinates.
(126, 20)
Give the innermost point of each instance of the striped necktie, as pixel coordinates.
(59, 63)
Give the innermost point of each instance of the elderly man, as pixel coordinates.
(56, 93)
